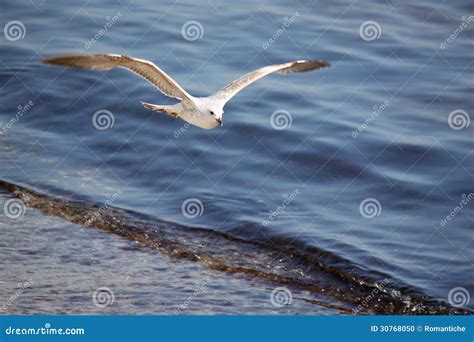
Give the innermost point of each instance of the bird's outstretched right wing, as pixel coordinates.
(226, 93)
(143, 68)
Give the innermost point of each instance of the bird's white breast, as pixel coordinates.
(197, 114)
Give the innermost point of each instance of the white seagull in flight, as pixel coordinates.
(204, 112)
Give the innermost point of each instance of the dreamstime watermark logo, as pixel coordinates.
(192, 208)
(110, 21)
(459, 297)
(103, 119)
(103, 207)
(379, 288)
(201, 288)
(370, 208)
(192, 30)
(103, 297)
(464, 24)
(281, 297)
(287, 21)
(465, 199)
(14, 208)
(281, 208)
(370, 30)
(373, 116)
(458, 119)
(21, 288)
(21, 110)
(281, 119)
(47, 329)
(180, 131)
(14, 30)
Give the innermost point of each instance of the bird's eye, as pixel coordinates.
(212, 113)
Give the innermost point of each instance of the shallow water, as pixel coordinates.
(297, 190)
(81, 260)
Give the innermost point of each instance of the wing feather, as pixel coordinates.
(141, 67)
(237, 85)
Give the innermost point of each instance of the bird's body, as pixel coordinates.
(204, 112)
(195, 110)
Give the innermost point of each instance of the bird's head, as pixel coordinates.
(217, 114)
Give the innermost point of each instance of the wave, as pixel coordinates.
(280, 261)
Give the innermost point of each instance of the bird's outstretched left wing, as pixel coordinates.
(226, 93)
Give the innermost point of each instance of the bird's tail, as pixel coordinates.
(161, 108)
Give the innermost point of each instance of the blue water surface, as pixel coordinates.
(373, 128)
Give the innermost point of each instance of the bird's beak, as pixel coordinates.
(219, 121)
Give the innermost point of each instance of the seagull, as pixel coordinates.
(205, 112)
